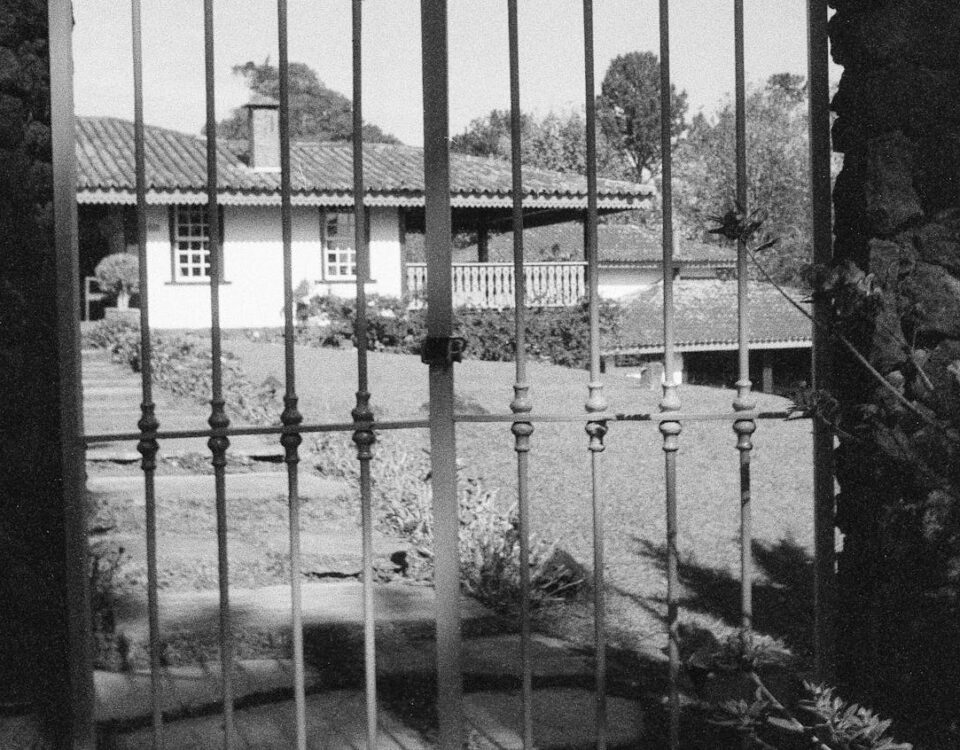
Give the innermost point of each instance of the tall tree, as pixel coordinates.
(628, 109)
(557, 142)
(777, 170)
(316, 111)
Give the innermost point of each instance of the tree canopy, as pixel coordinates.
(628, 110)
(777, 170)
(316, 112)
(557, 142)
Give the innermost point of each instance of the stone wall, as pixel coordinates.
(896, 289)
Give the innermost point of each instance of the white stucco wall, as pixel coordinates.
(253, 267)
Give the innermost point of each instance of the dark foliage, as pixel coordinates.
(316, 112)
(628, 109)
(559, 335)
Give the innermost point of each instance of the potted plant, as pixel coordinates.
(119, 274)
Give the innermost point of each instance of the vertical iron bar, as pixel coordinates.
(291, 416)
(521, 401)
(824, 552)
(79, 666)
(148, 423)
(363, 437)
(218, 421)
(671, 400)
(595, 401)
(436, 168)
(743, 428)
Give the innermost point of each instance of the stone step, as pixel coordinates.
(335, 720)
(125, 697)
(562, 718)
(334, 606)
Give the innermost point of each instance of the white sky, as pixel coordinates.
(551, 42)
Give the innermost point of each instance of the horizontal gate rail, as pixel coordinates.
(421, 424)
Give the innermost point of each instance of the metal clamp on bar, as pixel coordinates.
(437, 350)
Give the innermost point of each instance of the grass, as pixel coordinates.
(631, 483)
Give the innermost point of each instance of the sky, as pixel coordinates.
(551, 53)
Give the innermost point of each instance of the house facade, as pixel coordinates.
(324, 258)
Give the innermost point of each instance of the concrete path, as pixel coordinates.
(111, 404)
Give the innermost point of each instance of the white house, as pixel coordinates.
(324, 257)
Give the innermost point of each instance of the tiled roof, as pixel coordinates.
(321, 173)
(706, 317)
(618, 244)
(624, 245)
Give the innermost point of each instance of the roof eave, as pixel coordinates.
(406, 198)
(712, 346)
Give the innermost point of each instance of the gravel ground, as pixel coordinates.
(630, 480)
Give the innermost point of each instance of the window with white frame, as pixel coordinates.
(339, 251)
(190, 241)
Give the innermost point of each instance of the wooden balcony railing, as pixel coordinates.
(490, 285)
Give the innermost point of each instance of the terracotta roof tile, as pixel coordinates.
(617, 244)
(706, 313)
(322, 173)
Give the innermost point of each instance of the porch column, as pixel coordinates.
(114, 230)
(767, 380)
(483, 237)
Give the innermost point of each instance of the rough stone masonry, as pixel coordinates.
(896, 289)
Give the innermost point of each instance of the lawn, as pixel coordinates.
(631, 481)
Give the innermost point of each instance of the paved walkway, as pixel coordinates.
(564, 706)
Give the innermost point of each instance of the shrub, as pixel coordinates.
(119, 274)
(489, 537)
(107, 333)
(560, 335)
(390, 326)
(111, 648)
(737, 681)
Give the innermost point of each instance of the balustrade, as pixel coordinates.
(491, 285)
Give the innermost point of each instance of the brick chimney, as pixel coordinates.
(264, 123)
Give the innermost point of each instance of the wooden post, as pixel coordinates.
(483, 238)
(767, 372)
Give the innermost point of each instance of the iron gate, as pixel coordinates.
(440, 355)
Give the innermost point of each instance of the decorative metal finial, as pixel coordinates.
(218, 443)
(291, 418)
(364, 437)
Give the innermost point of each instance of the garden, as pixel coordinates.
(632, 495)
